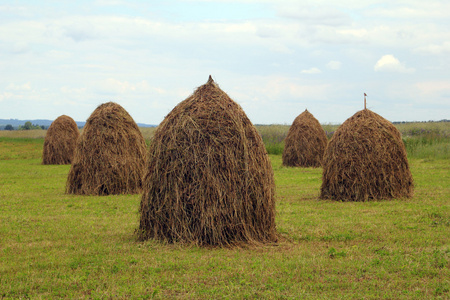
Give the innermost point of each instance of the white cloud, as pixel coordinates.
(58, 55)
(353, 33)
(313, 70)
(269, 31)
(276, 89)
(20, 47)
(334, 65)
(68, 90)
(79, 34)
(19, 87)
(6, 96)
(280, 48)
(110, 2)
(413, 11)
(438, 91)
(435, 49)
(122, 87)
(388, 63)
(318, 15)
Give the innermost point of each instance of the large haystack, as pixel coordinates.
(365, 160)
(209, 179)
(60, 141)
(110, 155)
(305, 142)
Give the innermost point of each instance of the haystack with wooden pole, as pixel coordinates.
(366, 160)
(60, 141)
(305, 142)
(110, 156)
(209, 180)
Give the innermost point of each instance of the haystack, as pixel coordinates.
(366, 160)
(305, 142)
(60, 141)
(209, 180)
(110, 155)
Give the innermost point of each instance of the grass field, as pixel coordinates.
(55, 245)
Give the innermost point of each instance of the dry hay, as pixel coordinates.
(110, 155)
(305, 142)
(209, 178)
(365, 160)
(60, 141)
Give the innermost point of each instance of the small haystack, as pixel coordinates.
(110, 155)
(305, 142)
(366, 160)
(209, 179)
(60, 141)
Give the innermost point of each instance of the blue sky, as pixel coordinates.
(275, 58)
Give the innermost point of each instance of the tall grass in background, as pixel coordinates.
(273, 137)
(27, 134)
(330, 129)
(422, 140)
(426, 140)
(148, 132)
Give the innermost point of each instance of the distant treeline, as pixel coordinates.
(27, 126)
(408, 122)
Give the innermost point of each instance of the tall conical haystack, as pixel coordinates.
(209, 179)
(305, 142)
(60, 141)
(110, 156)
(366, 160)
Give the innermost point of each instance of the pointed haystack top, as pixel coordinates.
(211, 82)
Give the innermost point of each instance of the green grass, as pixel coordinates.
(55, 245)
(20, 148)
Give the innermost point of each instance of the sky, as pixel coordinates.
(275, 58)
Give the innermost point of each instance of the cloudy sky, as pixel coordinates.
(275, 58)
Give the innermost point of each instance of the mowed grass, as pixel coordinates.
(55, 245)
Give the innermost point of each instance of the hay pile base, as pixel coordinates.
(305, 142)
(366, 159)
(209, 178)
(110, 155)
(60, 141)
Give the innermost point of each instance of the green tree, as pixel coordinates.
(27, 125)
